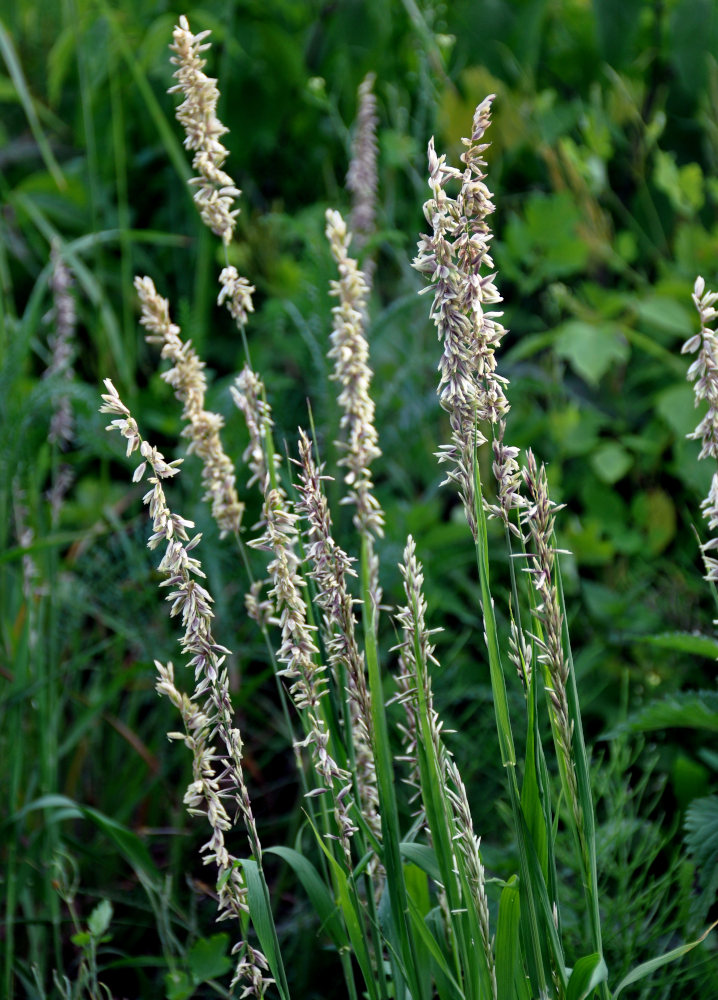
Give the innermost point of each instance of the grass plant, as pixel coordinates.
(409, 905)
(409, 900)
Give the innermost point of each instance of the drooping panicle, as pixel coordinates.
(187, 378)
(215, 190)
(704, 372)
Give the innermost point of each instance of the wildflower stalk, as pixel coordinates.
(202, 722)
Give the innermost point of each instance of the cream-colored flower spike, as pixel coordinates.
(456, 257)
(187, 378)
(704, 372)
(215, 190)
(350, 353)
(207, 714)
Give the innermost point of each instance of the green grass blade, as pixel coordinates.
(396, 886)
(7, 50)
(430, 947)
(648, 968)
(127, 842)
(173, 147)
(318, 893)
(508, 953)
(263, 922)
(352, 919)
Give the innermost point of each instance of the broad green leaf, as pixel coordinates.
(423, 857)
(702, 828)
(610, 461)
(666, 315)
(178, 985)
(208, 958)
(702, 842)
(692, 643)
(655, 513)
(417, 887)
(685, 709)
(545, 242)
(591, 350)
(128, 843)
(677, 407)
(586, 975)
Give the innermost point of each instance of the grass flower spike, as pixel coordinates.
(350, 353)
(249, 397)
(208, 712)
(62, 346)
(330, 567)
(187, 378)
(704, 372)
(215, 191)
(362, 174)
(453, 256)
(299, 653)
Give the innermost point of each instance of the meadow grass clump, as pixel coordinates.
(345, 842)
(406, 903)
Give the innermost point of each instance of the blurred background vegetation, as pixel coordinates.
(604, 167)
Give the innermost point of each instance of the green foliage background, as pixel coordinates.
(604, 167)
